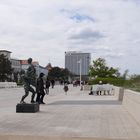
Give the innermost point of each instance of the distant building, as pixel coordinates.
(25, 65)
(43, 70)
(15, 63)
(49, 67)
(73, 60)
(19, 65)
(39, 69)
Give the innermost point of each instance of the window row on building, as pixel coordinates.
(77, 61)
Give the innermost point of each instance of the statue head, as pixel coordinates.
(29, 60)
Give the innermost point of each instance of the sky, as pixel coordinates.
(45, 29)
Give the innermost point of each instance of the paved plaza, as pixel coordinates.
(74, 116)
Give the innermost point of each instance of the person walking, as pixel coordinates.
(40, 89)
(66, 88)
(53, 83)
(47, 86)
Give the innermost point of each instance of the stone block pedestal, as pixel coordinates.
(121, 94)
(27, 108)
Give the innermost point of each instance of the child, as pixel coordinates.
(66, 88)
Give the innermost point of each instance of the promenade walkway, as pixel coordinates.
(74, 116)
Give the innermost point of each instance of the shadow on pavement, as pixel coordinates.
(86, 102)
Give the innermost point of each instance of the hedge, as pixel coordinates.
(114, 81)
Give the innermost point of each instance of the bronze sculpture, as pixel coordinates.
(29, 81)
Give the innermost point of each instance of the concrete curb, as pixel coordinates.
(22, 137)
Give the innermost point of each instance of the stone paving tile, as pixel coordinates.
(74, 115)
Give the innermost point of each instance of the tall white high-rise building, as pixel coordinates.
(73, 60)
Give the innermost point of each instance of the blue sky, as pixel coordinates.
(44, 30)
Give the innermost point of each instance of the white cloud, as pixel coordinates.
(85, 34)
(46, 29)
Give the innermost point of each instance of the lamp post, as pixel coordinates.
(80, 62)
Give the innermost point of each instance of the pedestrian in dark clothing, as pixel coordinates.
(100, 88)
(47, 86)
(40, 89)
(61, 82)
(91, 92)
(53, 83)
(66, 88)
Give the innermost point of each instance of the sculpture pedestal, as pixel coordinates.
(27, 108)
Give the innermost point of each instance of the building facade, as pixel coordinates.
(15, 63)
(6, 53)
(19, 65)
(73, 60)
(39, 69)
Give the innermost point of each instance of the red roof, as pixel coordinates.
(25, 62)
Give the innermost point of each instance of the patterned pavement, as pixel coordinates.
(75, 115)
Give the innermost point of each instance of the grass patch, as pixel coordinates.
(135, 86)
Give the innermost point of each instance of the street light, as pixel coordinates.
(80, 62)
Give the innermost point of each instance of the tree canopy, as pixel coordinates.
(99, 68)
(58, 73)
(5, 68)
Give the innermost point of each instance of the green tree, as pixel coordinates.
(5, 68)
(135, 78)
(99, 68)
(65, 73)
(58, 73)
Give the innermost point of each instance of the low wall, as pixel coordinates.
(8, 84)
(25, 137)
(131, 102)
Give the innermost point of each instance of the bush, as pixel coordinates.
(114, 81)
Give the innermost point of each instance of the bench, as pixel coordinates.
(105, 89)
